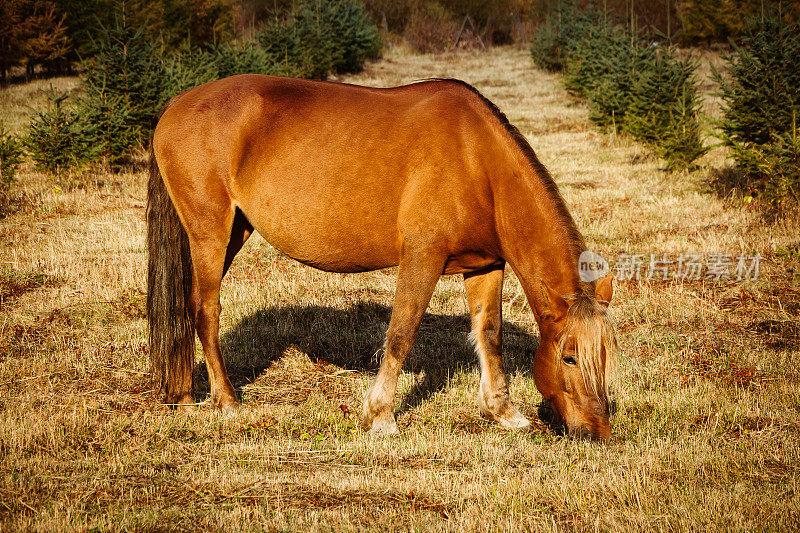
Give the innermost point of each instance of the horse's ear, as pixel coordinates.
(604, 290)
(553, 306)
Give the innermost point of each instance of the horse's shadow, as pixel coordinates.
(352, 338)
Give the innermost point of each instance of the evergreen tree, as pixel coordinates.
(300, 45)
(601, 56)
(11, 157)
(186, 70)
(56, 140)
(761, 95)
(631, 85)
(320, 37)
(107, 124)
(663, 108)
(129, 69)
(563, 29)
(354, 35)
(247, 57)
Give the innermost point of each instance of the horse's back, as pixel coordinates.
(335, 175)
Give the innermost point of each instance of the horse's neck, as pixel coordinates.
(538, 240)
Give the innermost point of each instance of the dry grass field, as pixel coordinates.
(706, 434)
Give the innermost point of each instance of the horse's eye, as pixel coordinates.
(569, 360)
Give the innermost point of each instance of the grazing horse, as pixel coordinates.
(430, 177)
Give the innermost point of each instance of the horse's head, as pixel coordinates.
(576, 359)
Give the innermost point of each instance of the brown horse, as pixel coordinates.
(430, 177)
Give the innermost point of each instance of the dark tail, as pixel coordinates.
(169, 289)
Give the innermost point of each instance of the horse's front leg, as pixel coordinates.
(416, 280)
(484, 293)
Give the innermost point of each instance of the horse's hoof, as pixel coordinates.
(228, 406)
(382, 428)
(517, 423)
(510, 418)
(184, 403)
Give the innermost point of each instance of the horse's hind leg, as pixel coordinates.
(213, 249)
(484, 292)
(416, 280)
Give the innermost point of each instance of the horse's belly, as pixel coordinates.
(333, 244)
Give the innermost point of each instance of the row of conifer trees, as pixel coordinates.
(649, 89)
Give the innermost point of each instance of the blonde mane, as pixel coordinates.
(595, 342)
